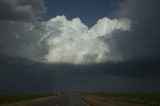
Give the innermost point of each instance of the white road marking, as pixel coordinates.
(84, 102)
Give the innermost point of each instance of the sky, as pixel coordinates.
(79, 45)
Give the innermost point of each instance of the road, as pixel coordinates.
(61, 100)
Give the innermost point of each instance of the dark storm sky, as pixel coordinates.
(22, 27)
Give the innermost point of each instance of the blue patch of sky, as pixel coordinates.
(89, 11)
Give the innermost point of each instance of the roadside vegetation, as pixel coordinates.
(148, 99)
(23, 97)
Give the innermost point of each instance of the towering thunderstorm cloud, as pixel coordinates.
(24, 34)
(71, 41)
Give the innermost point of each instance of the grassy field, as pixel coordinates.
(151, 99)
(16, 98)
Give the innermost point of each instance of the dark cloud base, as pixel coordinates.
(19, 75)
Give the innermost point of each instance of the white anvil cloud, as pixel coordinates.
(70, 41)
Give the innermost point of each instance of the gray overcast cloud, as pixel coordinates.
(19, 10)
(143, 40)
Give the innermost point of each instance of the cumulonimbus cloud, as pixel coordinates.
(59, 40)
(71, 41)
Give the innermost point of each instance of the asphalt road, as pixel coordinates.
(62, 100)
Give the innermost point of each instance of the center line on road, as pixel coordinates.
(84, 102)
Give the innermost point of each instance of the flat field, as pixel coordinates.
(145, 99)
(17, 98)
